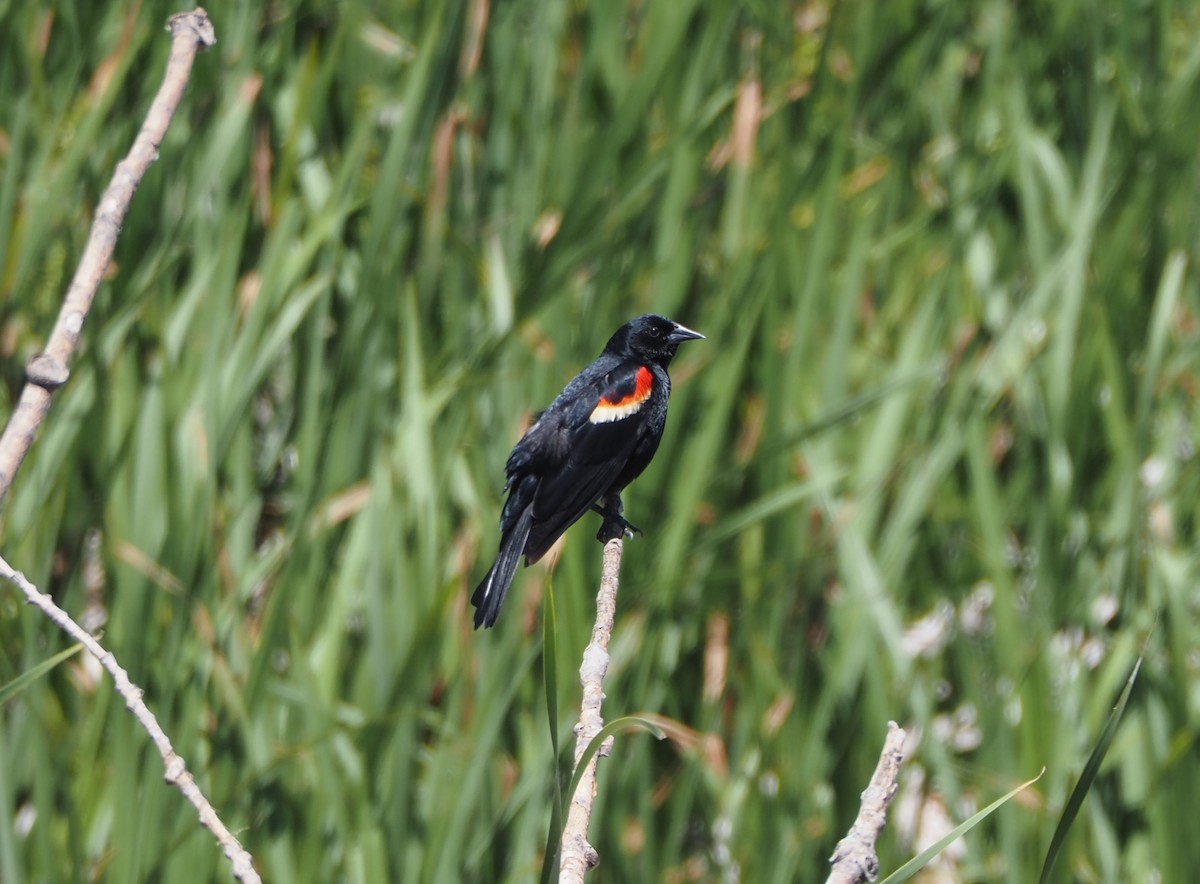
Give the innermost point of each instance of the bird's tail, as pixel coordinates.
(489, 595)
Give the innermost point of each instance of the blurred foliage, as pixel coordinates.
(935, 462)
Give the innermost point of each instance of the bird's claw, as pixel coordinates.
(616, 527)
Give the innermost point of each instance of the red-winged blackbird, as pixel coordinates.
(593, 440)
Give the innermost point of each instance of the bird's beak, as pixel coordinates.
(683, 333)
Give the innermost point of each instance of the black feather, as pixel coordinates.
(596, 437)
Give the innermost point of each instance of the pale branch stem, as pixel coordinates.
(578, 856)
(48, 370)
(176, 769)
(854, 859)
(190, 32)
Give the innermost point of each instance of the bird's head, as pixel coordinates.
(651, 338)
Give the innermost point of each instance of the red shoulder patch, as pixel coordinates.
(624, 402)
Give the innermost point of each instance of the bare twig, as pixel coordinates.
(48, 370)
(577, 854)
(176, 770)
(854, 860)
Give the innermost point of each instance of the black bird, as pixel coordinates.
(595, 438)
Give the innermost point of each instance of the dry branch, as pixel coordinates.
(48, 370)
(176, 770)
(578, 856)
(854, 860)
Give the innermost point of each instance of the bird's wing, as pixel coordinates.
(597, 431)
(620, 394)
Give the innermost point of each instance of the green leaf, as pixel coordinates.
(923, 858)
(627, 723)
(1088, 777)
(23, 680)
(550, 680)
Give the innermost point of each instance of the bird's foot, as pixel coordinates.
(615, 527)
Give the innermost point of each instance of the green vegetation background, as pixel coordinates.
(935, 463)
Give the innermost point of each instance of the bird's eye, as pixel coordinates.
(655, 332)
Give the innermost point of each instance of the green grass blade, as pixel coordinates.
(626, 723)
(922, 859)
(550, 680)
(1088, 776)
(22, 681)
